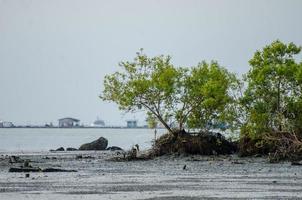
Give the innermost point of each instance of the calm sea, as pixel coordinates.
(27, 139)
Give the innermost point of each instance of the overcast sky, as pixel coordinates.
(55, 53)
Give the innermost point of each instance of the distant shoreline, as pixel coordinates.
(80, 127)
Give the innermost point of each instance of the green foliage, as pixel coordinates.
(210, 90)
(181, 97)
(273, 97)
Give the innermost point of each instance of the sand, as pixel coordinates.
(223, 177)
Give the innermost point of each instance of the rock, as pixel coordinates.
(296, 163)
(114, 148)
(99, 144)
(60, 149)
(84, 157)
(71, 149)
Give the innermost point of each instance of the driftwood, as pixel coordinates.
(15, 159)
(24, 169)
(37, 169)
(57, 170)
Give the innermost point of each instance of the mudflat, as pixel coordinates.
(166, 177)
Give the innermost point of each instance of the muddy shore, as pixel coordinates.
(223, 177)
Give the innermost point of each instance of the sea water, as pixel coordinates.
(44, 139)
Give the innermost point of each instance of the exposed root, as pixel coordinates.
(288, 146)
(198, 143)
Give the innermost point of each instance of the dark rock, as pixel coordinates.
(99, 144)
(296, 163)
(237, 162)
(71, 149)
(47, 158)
(60, 149)
(84, 157)
(114, 148)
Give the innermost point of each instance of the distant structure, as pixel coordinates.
(50, 125)
(131, 123)
(98, 123)
(4, 124)
(69, 122)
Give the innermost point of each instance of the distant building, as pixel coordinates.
(98, 123)
(6, 124)
(131, 123)
(68, 122)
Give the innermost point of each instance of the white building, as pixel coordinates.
(69, 122)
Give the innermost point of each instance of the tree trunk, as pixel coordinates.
(278, 107)
(166, 126)
(159, 117)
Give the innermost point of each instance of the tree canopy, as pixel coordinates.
(273, 98)
(178, 97)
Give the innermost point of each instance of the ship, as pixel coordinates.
(98, 123)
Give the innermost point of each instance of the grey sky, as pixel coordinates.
(55, 53)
